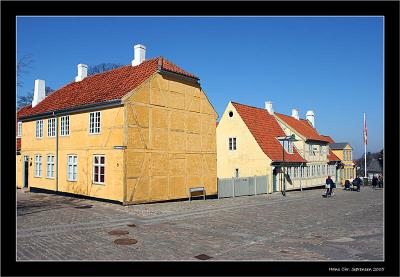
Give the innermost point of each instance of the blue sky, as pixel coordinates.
(331, 65)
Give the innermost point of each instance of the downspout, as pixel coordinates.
(56, 151)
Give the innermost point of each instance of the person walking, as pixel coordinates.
(380, 181)
(329, 186)
(374, 181)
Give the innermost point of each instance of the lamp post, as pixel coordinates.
(283, 139)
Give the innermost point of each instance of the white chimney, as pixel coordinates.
(295, 113)
(139, 54)
(268, 107)
(82, 72)
(39, 92)
(310, 117)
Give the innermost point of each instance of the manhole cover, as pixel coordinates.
(125, 241)
(83, 207)
(202, 257)
(131, 225)
(118, 232)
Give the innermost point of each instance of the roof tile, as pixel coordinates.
(103, 87)
(265, 129)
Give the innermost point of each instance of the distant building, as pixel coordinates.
(344, 152)
(374, 166)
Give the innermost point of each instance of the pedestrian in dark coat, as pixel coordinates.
(329, 186)
(357, 183)
(374, 181)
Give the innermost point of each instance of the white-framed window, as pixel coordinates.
(19, 129)
(38, 166)
(99, 169)
(51, 127)
(64, 125)
(72, 170)
(311, 150)
(232, 143)
(94, 123)
(288, 145)
(50, 166)
(39, 128)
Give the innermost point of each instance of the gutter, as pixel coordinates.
(168, 72)
(82, 108)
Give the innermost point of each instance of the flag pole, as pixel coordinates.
(365, 148)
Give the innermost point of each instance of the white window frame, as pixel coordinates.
(94, 123)
(100, 165)
(72, 168)
(64, 125)
(38, 166)
(50, 166)
(19, 129)
(39, 128)
(232, 144)
(51, 127)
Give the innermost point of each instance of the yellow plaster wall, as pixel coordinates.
(248, 156)
(348, 164)
(18, 172)
(170, 139)
(84, 145)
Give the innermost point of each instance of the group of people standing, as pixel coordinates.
(377, 181)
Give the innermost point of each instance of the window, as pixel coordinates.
(39, 128)
(64, 128)
(94, 123)
(72, 171)
(311, 150)
(288, 145)
(350, 155)
(38, 166)
(230, 113)
(19, 129)
(98, 169)
(51, 127)
(232, 143)
(50, 166)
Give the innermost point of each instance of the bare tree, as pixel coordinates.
(23, 65)
(24, 100)
(95, 69)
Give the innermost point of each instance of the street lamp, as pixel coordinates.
(283, 139)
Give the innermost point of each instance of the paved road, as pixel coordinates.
(301, 226)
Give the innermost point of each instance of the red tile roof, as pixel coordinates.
(216, 124)
(332, 157)
(103, 87)
(302, 126)
(265, 129)
(330, 140)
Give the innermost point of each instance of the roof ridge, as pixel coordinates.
(233, 102)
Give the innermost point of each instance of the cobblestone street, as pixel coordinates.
(300, 226)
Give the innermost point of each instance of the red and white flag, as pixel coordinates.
(365, 131)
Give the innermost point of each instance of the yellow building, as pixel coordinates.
(248, 144)
(139, 133)
(344, 152)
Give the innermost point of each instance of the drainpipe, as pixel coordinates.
(56, 151)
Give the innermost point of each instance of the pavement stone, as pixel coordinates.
(301, 226)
